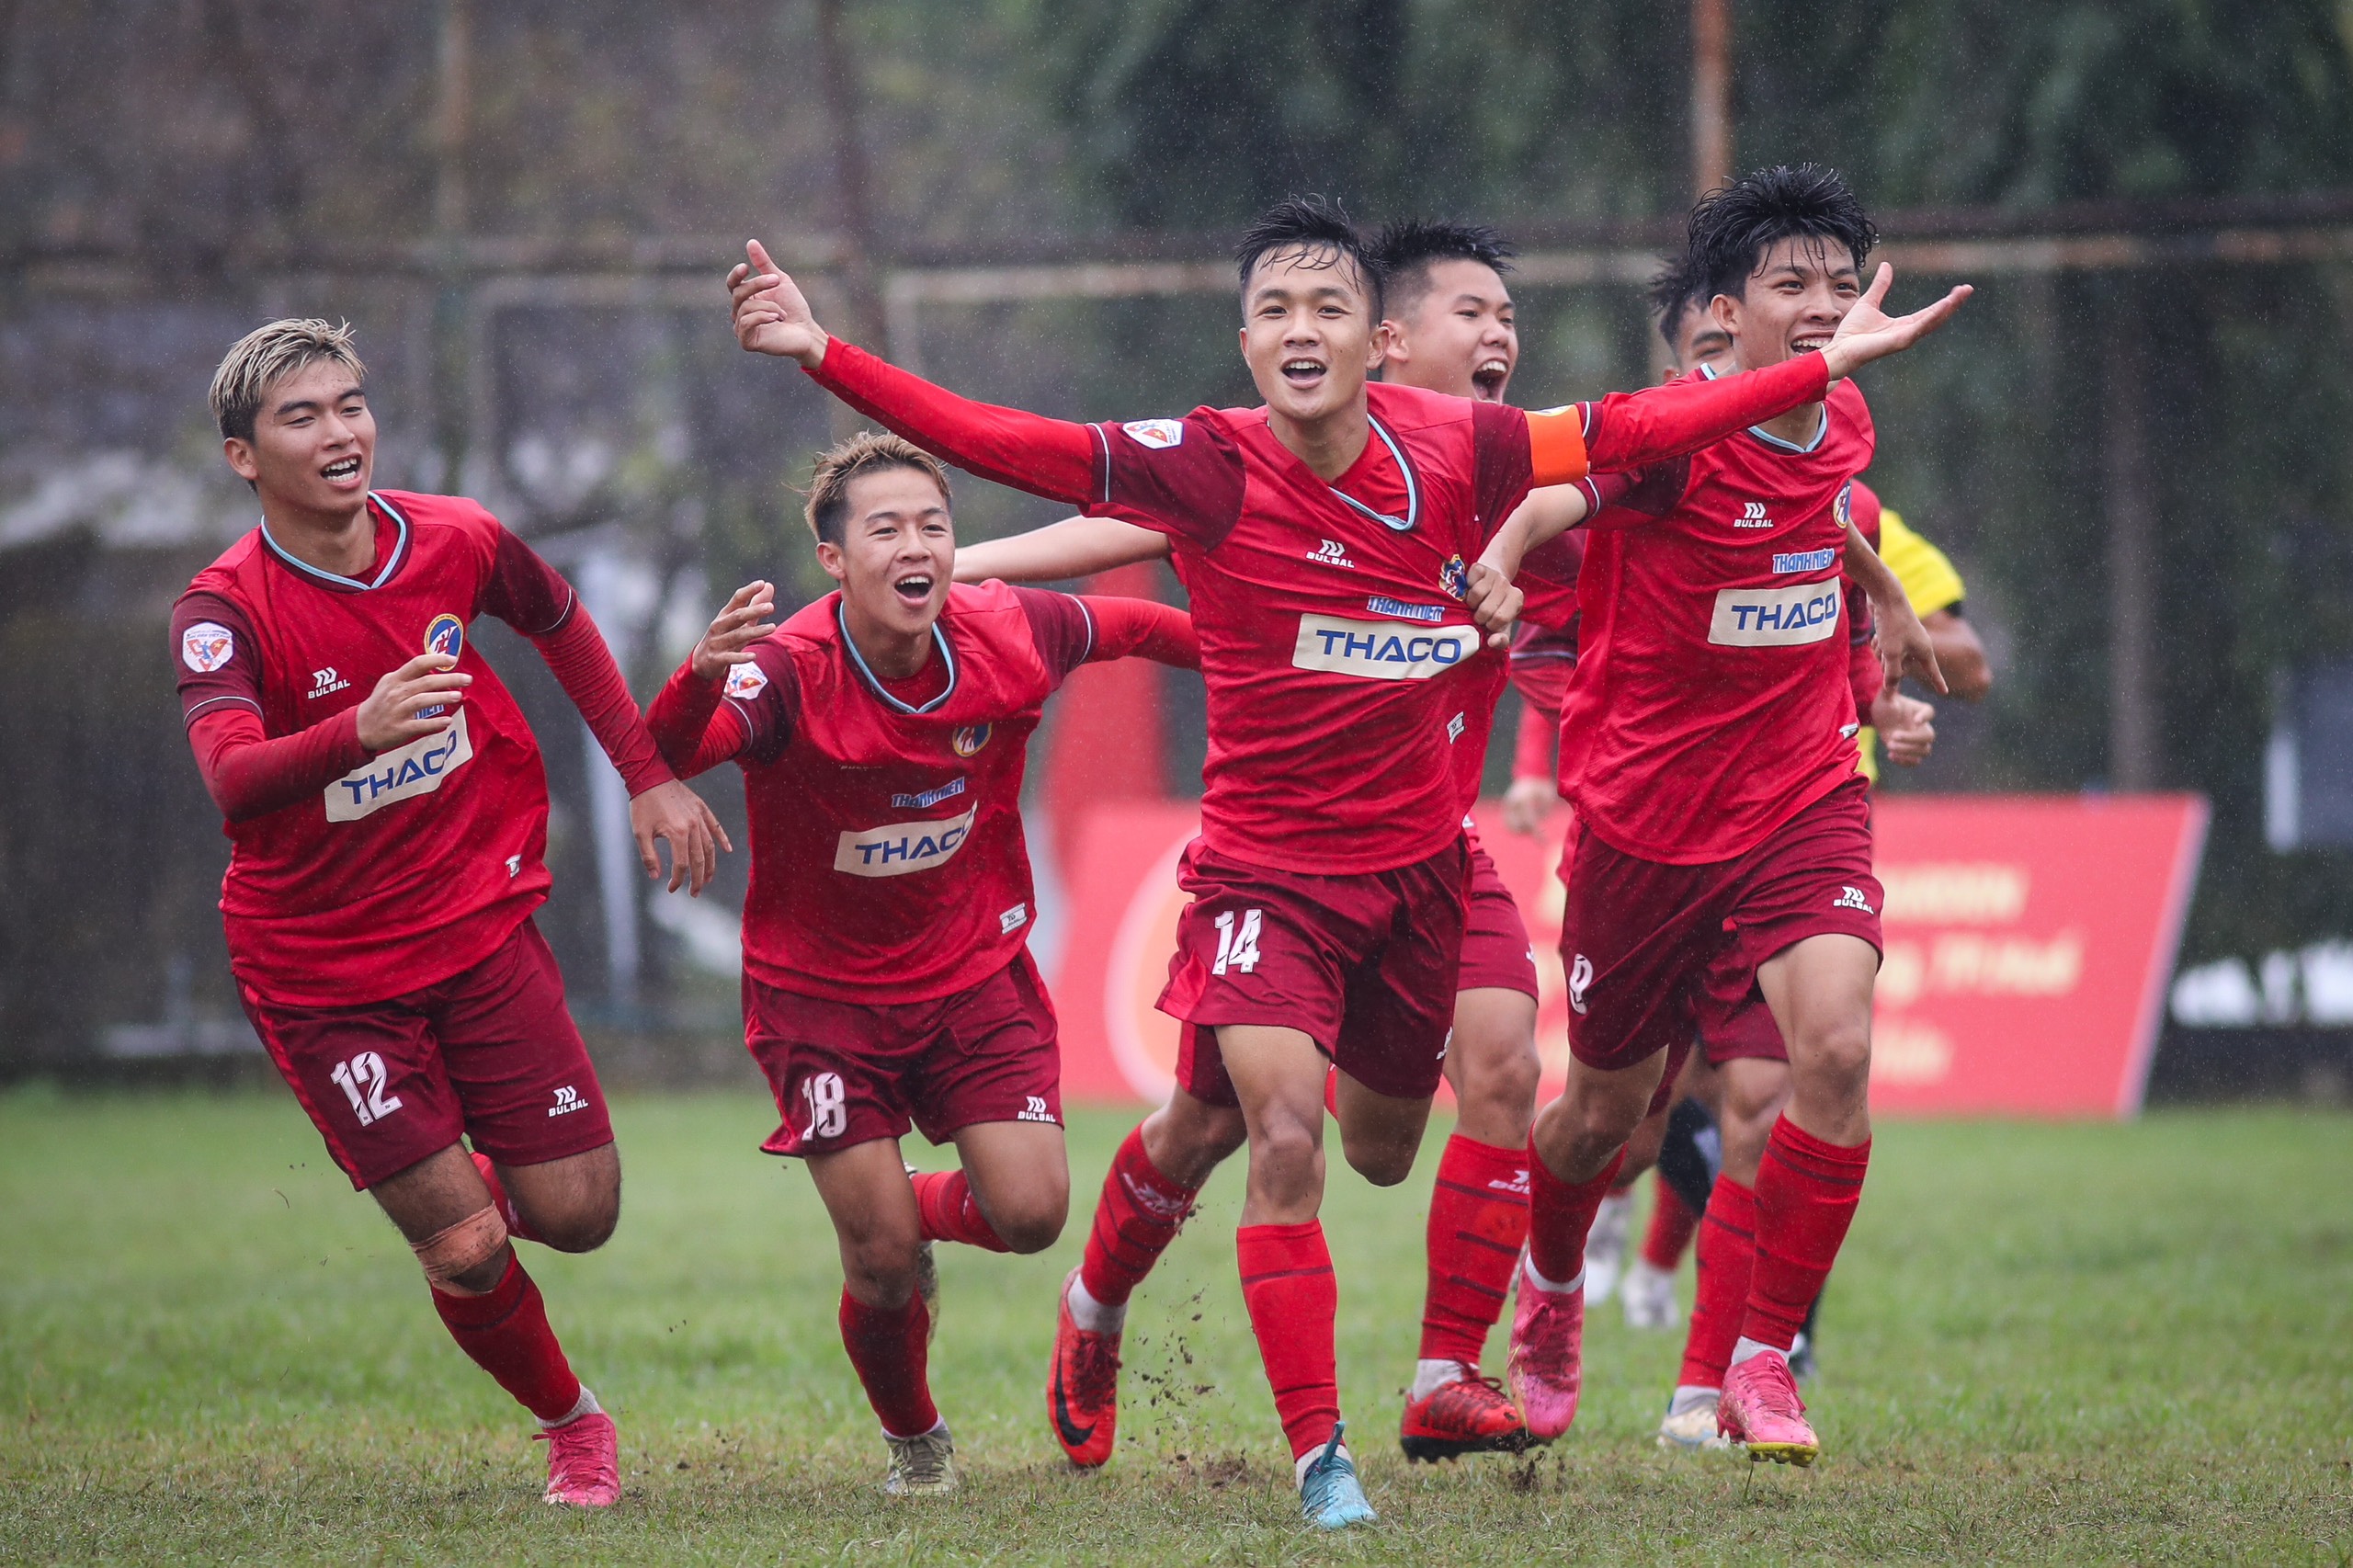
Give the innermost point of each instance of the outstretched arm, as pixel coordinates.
(695, 729)
(1076, 547)
(1142, 628)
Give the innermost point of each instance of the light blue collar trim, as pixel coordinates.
(874, 685)
(1412, 516)
(391, 564)
(1774, 441)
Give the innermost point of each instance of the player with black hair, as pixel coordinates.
(1725, 848)
(1333, 541)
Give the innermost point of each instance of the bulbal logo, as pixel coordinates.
(206, 646)
(326, 680)
(1770, 618)
(1454, 577)
(1580, 980)
(1454, 728)
(1752, 516)
(902, 848)
(567, 1100)
(401, 774)
(1158, 433)
(1331, 552)
(744, 682)
(1380, 650)
(971, 738)
(1853, 898)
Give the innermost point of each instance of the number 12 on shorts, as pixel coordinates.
(1237, 950)
(362, 1079)
(828, 1115)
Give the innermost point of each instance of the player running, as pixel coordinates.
(887, 979)
(1449, 327)
(1724, 842)
(387, 815)
(1329, 538)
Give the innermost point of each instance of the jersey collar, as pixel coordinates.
(1413, 518)
(390, 565)
(874, 685)
(1774, 441)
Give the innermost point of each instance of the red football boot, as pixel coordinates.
(1546, 1368)
(1472, 1416)
(584, 1462)
(1082, 1392)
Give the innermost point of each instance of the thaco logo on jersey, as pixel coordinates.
(902, 848)
(1158, 433)
(1454, 577)
(971, 738)
(1771, 618)
(744, 682)
(1380, 650)
(401, 774)
(206, 646)
(447, 634)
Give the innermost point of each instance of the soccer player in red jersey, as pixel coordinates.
(389, 817)
(1449, 327)
(887, 977)
(1329, 539)
(1723, 843)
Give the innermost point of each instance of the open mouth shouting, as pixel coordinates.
(343, 471)
(1304, 372)
(1488, 378)
(1811, 343)
(913, 588)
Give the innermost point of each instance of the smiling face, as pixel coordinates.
(1308, 333)
(896, 556)
(314, 447)
(1802, 288)
(1700, 341)
(1457, 337)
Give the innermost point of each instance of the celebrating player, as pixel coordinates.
(1724, 842)
(389, 817)
(1328, 537)
(887, 976)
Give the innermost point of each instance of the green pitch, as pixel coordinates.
(2082, 1342)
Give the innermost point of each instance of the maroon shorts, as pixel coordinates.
(848, 1073)
(490, 1053)
(1497, 954)
(1658, 953)
(1365, 964)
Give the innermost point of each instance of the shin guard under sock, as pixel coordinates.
(1719, 1305)
(1293, 1299)
(1560, 1215)
(950, 1213)
(1806, 1193)
(1137, 1215)
(889, 1346)
(507, 1334)
(1478, 1220)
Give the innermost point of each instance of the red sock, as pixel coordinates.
(1287, 1284)
(1136, 1219)
(889, 1347)
(1806, 1193)
(1559, 1216)
(1670, 1232)
(1727, 1248)
(508, 1335)
(949, 1214)
(1478, 1220)
(505, 1205)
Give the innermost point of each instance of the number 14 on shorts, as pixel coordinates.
(1237, 947)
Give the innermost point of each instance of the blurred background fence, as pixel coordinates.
(2132, 443)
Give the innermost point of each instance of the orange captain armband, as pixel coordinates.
(1556, 444)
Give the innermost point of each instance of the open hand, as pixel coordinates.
(1903, 645)
(389, 717)
(672, 811)
(1869, 333)
(733, 631)
(771, 314)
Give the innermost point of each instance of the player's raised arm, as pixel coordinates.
(695, 729)
(1076, 547)
(1053, 458)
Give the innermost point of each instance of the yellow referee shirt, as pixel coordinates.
(1929, 582)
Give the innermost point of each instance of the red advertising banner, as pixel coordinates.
(2029, 941)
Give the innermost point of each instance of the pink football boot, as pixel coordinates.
(584, 1462)
(1760, 1408)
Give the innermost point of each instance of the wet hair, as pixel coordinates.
(268, 355)
(1407, 250)
(866, 453)
(1307, 224)
(1673, 298)
(1733, 228)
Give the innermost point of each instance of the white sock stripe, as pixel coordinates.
(1528, 1267)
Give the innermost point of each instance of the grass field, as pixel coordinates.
(2086, 1343)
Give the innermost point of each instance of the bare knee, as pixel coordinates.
(879, 1262)
(1031, 1221)
(1498, 1097)
(1382, 1158)
(1578, 1134)
(1286, 1163)
(1835, 1058)
(1187, 1139)
(582, 1227)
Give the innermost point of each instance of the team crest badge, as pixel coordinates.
(1454, 577)
(1843, 508)
(446, 635)
(206, 646)
(1158, 433)
(969, 739)
(744, 682)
